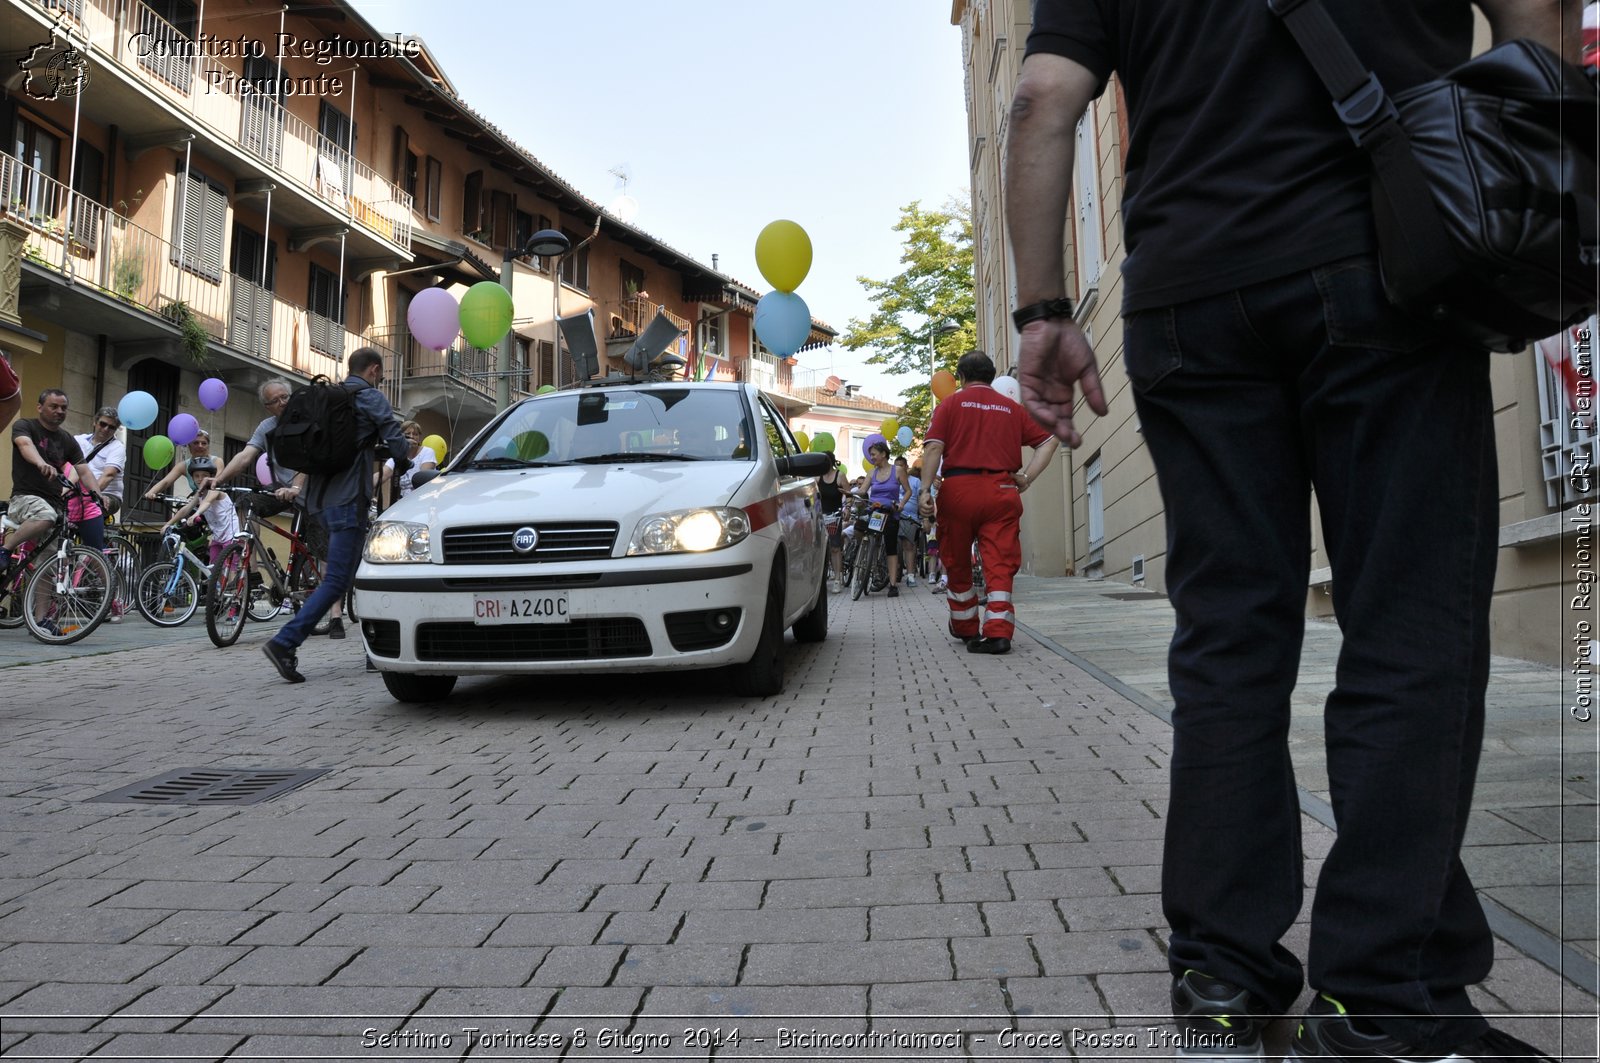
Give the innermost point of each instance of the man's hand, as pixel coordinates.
(287, 494)
(1055, 356)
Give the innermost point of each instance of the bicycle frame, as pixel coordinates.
(174, 549)
(265, 561)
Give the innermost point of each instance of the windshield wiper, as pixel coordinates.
(602, 459)
(512, 463)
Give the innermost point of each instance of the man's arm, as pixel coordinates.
(166, 482)
(30, 454)
(931, 453)
(1037, 464)
(1556, 24)
(9, 408)
(1051, 96)
(242, 460)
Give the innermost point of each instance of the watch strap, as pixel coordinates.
(1041, 311)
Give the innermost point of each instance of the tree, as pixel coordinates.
(936, 288)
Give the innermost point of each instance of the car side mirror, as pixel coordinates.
(803, 465)
(420, 478)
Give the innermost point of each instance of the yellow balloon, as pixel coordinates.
(804, 441)
(783, 254)
(944, 384)
(866, 464)
(437, 444)
(889, 427)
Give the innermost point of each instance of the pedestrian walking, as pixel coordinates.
(1265, 361)
(979, 434)
(342, 500)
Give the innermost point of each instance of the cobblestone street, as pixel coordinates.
(913, 851)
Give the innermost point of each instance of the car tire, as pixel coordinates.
(813, 627)
(405, 686)
(762, 675)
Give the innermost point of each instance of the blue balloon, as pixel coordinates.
(783, 321)
(903, 437)
(137, 410)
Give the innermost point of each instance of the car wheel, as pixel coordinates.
(762, 675)
(404, 686)
(813, 627)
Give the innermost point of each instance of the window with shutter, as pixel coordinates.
(472, 220)
(435, 190)
(405, 162)
(547, 363)
(199, 227)
(326, 304)
(1087, 161)
(575, 264)
(500, 219)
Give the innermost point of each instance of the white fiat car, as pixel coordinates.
(617, 526)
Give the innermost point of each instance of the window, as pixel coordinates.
(777, 431)
(42, 151)
(502, 207)
(169, 28)
(199, 220)
(434, 190)
(405, 163)
(326, 302)
(711, 345)
(1567, 429)
(473, 222)
(522, 230)
(261, 114)
(337, 127)
(254, 262)
(575, 264)
(540, 223)
(632, 279)
(1094, 488)
(1087, 203)
(547, 363)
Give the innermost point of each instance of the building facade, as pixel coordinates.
(1102, 513)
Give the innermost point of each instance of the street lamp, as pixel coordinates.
(546, 243)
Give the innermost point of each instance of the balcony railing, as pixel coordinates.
(257, 123)
(775, 374)
(474, 368)
(635, 313)
(111, 253)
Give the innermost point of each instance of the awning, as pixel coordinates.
(455, 260)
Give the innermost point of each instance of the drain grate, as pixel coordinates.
(1135, 596)
(213, 786)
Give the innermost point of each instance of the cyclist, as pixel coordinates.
(106, 456)
(199, 460)
(888, 486)
(910, 523)
(216, 508)
(830, 489)
(43, 447)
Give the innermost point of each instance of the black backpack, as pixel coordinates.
(319, 431)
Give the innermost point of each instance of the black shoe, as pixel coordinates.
(336, 629)
(283, 659)
(1216, 1020)
(987, 645)
(968, 639)
(894, 591)
(1327, 1032)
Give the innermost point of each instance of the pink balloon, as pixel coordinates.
(183, 428)
(264, 471)
(435, 318)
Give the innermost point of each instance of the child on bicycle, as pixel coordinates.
(217, 509)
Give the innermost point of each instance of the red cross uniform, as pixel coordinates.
(983, 433)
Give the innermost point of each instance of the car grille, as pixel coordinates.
(491, 544)
(383, 637)
(580, 640)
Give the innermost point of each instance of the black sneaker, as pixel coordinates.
(894, 590)
(1216, 1020)
(1328, 1033)
(283, 659)
(336, 629)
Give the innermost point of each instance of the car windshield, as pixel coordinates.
(618, 424)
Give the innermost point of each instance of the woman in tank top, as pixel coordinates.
(888, 486)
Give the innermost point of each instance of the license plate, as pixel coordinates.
(877, 521)
(520, 608)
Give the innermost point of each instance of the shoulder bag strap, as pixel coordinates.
(1418, 255)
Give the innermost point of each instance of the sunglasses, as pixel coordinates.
(104, 424)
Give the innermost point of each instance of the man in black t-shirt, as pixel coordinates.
(43, 449)
(1265, 361)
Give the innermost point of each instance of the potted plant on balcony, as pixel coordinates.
(196, 340)
(127, 275)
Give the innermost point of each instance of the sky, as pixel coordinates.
(831, 113)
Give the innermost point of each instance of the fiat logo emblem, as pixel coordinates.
(523, 540)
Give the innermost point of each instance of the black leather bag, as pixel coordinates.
(1484, 183)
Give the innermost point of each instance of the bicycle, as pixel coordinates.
(869, 530)
(62, 595)
(231, 593)
(168, 592)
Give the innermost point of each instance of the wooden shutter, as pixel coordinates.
(472, 204)
(435, 179)
(500, 218)
(402, 148)
(213, 230)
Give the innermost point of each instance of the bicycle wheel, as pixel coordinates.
(68, 597)
(166, 595)
(261, 606)
(228, 595)
(11, 597)
(124, 559)
(866, 560)
(305, 574)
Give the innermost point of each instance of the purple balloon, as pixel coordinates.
(213, 394)
(866, 444)
(264, 471)
(182, 429)
(435, 318)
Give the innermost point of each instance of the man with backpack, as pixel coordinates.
(328, 432)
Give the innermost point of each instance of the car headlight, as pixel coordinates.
(689, 531)
(397, 541)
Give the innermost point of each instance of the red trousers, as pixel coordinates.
(984, 508)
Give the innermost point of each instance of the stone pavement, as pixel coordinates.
(911, 852)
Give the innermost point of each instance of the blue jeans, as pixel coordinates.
(347, 530)
(1249, 401)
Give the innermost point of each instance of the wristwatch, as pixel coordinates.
(1041, 311)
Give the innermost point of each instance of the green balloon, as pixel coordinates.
(531, 446)
(545, 389)
(486, 312)
(822, 442)
(158, 451)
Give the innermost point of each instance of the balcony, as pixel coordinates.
(474, 369)
(286, 145)
(634, 314)
(101, 250)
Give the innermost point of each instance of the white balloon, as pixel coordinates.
(1008, 386)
